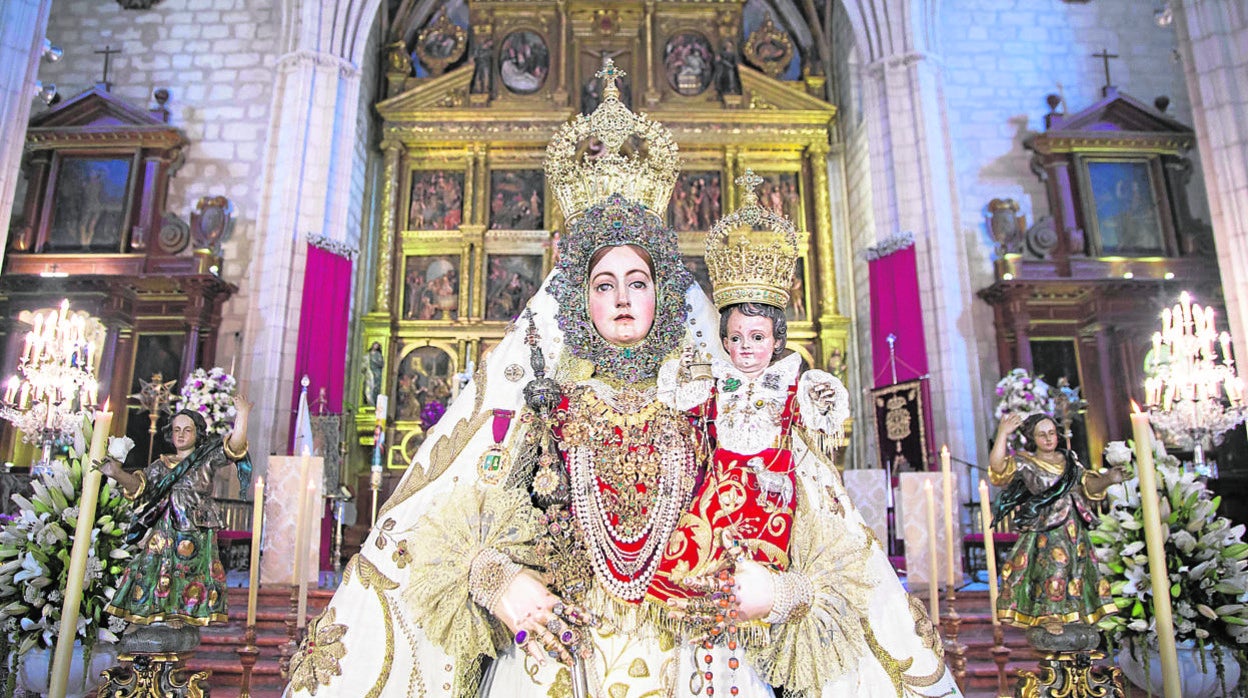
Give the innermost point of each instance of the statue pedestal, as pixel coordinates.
(152, 663)
(1068, 667)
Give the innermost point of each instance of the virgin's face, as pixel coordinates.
(1045, 436)
(621, 296)
(183, 433)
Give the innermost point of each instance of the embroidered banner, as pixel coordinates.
(901, 426)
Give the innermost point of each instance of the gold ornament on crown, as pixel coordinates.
(611, 151)
(751, 253)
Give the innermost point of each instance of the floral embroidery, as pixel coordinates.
(317, 661)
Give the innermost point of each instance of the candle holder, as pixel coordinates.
(1001, 656)
(1192, 398)
(292, 633)
(247, 656)
(955, 652)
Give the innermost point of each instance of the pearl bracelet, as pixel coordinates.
(489, 575)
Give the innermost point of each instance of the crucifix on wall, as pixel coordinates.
(107, 52)
(1105, 55)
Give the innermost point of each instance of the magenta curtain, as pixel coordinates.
(322, 348)
(896, 309)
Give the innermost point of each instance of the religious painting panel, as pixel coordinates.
(524, 62)
(431, 287)
(436, 200)
(517, 199)
(90, 204)
(689, 63)
(511, 279)
(696, 201)
(780, 193)
(423, 386)
(798, 308)
(157, 368)
(1125, 216)
(900, 426)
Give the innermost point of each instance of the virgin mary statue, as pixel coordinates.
(515, 556)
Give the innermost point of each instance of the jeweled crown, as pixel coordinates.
(611, 151)
(751, 253)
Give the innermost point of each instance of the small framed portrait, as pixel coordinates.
(689, 63)
(1126, 218)
(524, 62)
(91, 204)
(696, 202)
(441, 44)
(510, 281)
(436, 200)
(431, 287)
(696, 264)
(422, 386)
(779, 192)
(517, 199)
(798, 308)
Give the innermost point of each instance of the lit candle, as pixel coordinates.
(10, 393)
(1225, 340)
(946, 474)
(310, 500)
(990, 548)
(933, 588)
(74, 581)
(1163, 614)
(30, 343)
(257, 523)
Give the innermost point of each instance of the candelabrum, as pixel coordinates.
(1194, 393)
(55, 382)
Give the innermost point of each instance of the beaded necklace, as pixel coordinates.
(632, 468)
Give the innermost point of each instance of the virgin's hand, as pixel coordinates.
(1009, 423)
(528, 605)
(755, 591)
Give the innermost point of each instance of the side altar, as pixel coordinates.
(464, 234)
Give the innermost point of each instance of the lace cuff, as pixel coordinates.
(830, 568)
(489, 575)
(460, 554)
(826, 413)
(681, 392)
(792, 595)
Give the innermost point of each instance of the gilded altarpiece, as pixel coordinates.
(465, 233)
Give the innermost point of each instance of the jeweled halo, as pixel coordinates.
(611, 151)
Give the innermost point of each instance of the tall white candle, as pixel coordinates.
(946, 474)
(74, 581)
(1163, 614)
(305, 541)
(990, 548)
(301, 519)
(257, 523)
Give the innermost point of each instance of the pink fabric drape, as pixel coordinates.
(896, 309)
(322, 349)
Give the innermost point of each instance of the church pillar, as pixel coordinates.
(23, 25)
(306, 191)
(1212, 35)
(913, 190)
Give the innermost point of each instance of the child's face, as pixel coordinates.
(751, 343)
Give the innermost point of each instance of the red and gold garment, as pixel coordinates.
(632, 466)
(748, 497)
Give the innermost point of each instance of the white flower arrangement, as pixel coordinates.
(1207, 560)
(34, 561)
(1020, 392)
(211, 394)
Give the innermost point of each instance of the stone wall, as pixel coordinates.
(216, 58)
